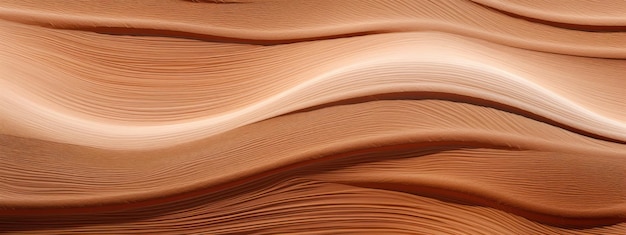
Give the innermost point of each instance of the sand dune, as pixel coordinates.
(271, 117)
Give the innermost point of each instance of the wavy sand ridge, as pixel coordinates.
(312, 117)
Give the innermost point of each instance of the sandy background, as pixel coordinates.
(313, 117)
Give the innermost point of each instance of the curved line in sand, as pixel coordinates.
(148, 27)
(581, 17)
(462, 190)
(363, 79)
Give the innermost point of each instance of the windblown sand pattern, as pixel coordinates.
(313, 117)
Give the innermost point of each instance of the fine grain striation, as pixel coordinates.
(313, 117)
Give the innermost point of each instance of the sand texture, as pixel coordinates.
(313, 117)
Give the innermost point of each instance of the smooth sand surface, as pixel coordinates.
(313, 117)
